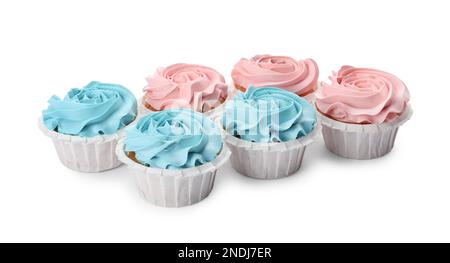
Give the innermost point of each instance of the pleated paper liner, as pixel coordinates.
(174, 188)
(361, 141)
(85, 154)
(268, 160)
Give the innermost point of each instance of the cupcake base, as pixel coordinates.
(174, 188)
(83, 154)
(268, 160)
(213, 114)
(361, 141)
(310, 96)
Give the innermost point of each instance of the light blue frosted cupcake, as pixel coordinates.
(174, 155)
(86, 124)
(267, 130)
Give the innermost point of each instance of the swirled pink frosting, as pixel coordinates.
(298, 76)
(362, 95)
(185, 86)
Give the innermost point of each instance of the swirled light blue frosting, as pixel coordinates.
(174, 139)
(268, 115)
(98, 108)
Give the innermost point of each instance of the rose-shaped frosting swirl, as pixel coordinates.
(298, 76)
(174, 139)
(362, 95)
(185, 86)
(96, 109)
(268, 115)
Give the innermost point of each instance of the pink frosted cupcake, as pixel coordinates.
(361, 111)
(297, 76)
(185, 86)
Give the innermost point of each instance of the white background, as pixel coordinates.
(47, 47)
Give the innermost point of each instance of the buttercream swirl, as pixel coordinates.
(268, 115)
(362, 95)
(96, 109)
(174, 139)
(298, 76)
(185, 86)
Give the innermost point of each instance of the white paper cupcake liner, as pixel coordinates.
(268, 160)
(174, 188)
(85, 154)
(361, 141)
(213, 114)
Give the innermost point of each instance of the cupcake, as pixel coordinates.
(86, 125)
(361, 111)
(267, 130)
(297, 76)
(174, 155)
(196, 87)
